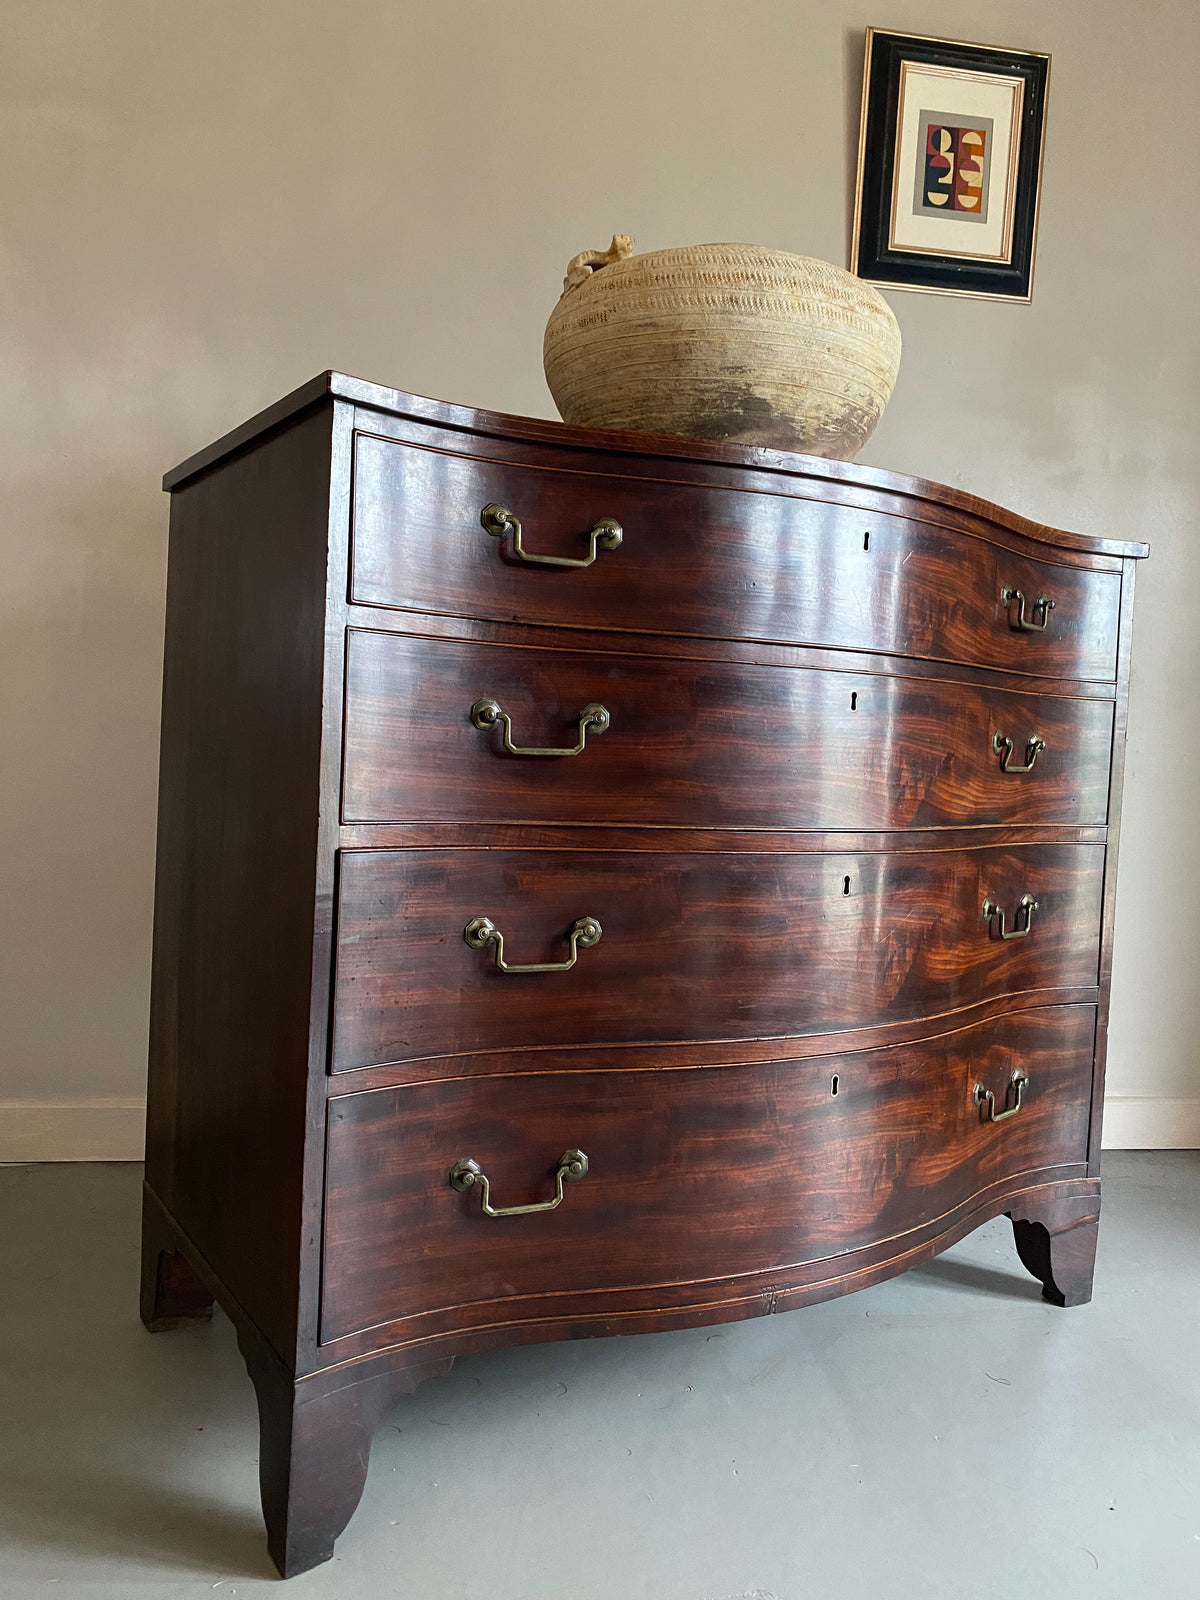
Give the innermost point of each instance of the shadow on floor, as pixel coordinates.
(92, 1512)
(957, 1274)
(117, 1446)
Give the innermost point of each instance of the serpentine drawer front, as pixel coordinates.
(606, 884)
(717, 562)
(709, 1173)
(694, 947)
(704, 744)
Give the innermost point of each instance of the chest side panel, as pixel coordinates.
(239, 798)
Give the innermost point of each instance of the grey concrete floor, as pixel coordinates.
(945, 1436)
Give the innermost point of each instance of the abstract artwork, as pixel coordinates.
(951, 177)
(949, 166)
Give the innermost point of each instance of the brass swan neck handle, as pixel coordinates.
(487, 714)
(467, 1173)
(482, 931)
(1026, 904)
(498, 520)
(1003, 746)
(1019, 1081)
(1039, 612)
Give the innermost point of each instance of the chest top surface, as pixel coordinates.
(472, 422)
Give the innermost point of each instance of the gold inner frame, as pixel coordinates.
(1010, 184)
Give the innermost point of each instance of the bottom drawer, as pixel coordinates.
(693, 1174)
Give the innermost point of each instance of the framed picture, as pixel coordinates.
(949, 166)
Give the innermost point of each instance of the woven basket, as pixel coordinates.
(722, 341)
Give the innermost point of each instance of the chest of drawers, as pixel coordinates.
(606, 884)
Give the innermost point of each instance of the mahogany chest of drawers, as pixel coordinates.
(606, 884)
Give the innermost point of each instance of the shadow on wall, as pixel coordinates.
(854, 55)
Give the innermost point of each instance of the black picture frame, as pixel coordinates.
(881, 190)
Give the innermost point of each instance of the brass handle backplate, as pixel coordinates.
(482, 931)
(499, 520)
(1026, 904)
(1038, 618)
(1003, 746)
(465, 1174)
(487, 714)
(986, 1097)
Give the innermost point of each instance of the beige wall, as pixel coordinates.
(207, 202)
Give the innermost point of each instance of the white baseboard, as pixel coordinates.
(113, 1129)
(107, 1129)
(1150, 1122)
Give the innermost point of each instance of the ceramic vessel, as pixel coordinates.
(722, 341)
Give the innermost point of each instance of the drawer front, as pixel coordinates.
(692, 1175)
(698, 946)
(703, 743)
(716, 562)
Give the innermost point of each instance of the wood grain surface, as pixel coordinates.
(237, 823)
(693, 1175)
(703, 744)
(694, 947)
(710, 561)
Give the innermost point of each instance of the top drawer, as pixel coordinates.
(712, 562)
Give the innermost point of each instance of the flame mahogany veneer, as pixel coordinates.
(777, 1057)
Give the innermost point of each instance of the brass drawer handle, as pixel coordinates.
(482, 931)
(1003, 746)
(1026, 903)
(1036, 622)
(499, 520)
(465, 1174)
(986, 1097)
(487, 713)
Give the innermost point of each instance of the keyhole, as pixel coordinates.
(846, 884)
(866, 541)
(854, 701)
(833, 1084)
